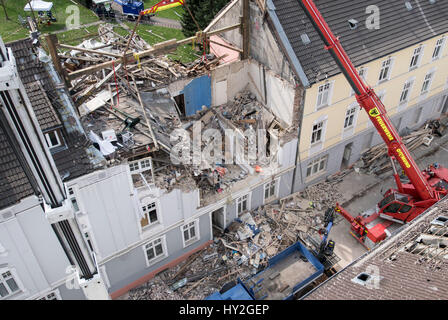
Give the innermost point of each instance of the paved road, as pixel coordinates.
(347, 248)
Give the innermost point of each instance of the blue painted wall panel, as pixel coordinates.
(197, 93)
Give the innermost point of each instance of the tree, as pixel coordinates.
(203, 12)
(4, 8)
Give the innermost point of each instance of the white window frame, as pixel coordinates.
(319, 171)
(159, 257)
(188, 226)
(321, 105)
(141, 165)
(321, 129)
(416, 57)
(363, 74)
(240, 200)
(72, 196)
(444, 100)
(383, 67)
(351, 113)
(16, 279)
(428, 82)
(267, 186)
(440, 45)
(142, 211)
(49, 143)
(407, 88)
(56, 293)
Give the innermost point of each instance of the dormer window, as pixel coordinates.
(54, 139)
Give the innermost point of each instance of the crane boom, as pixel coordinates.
(163, 5)
(370, 102)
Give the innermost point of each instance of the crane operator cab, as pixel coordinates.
(398, 207)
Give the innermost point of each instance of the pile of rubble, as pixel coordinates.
(148, 72)
(376, 161)
(240, 251)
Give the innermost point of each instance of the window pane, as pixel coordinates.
(12, 285)
(153, 216)
(150, 253)
(308, 171)
(159, 250)
(3, 291)
(192, 232)
(186, 236)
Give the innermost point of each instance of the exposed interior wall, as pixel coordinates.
(277, 94)
(263, 46)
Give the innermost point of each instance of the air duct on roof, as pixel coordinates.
(353, 23)
(305, 39)
(408, 5)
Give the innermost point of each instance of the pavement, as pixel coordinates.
(364, 191)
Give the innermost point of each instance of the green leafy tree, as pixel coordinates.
(203, 12)
(4, 8)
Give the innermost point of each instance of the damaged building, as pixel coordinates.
(118, 126)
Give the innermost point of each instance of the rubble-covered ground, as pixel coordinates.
(244, 248)
(249, 242)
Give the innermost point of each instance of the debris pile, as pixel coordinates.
(376, 161)
(148, 72)
(241, 251)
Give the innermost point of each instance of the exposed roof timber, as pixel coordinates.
(159, 48)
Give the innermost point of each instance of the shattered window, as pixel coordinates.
(189, 231)
(150, 215)
(317, 132)
(154, 249)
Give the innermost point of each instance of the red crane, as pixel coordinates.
(407, 201)
(163, 5)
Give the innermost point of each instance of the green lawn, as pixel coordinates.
(11, 30)
(155, 34)
(169, 13)
(74, 37)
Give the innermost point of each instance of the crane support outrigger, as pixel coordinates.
(426, 187)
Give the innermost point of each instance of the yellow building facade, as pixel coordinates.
(413, 85)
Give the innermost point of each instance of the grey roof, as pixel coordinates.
(74, 161)
(409, 267)
(14, 183)
(33, 75)
(399, 29)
